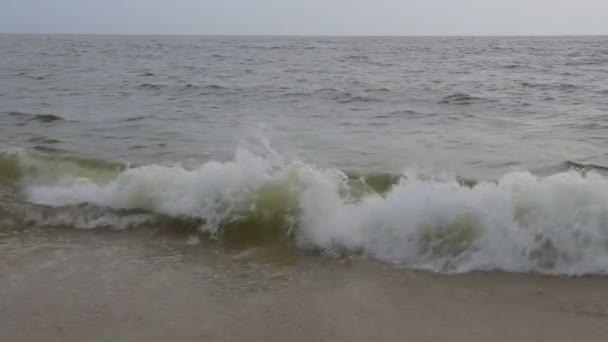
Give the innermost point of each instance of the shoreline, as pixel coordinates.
(61, 285)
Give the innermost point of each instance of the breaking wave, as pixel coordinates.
(522, 222)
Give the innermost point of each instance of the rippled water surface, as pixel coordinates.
(473, 105)
(443, 154)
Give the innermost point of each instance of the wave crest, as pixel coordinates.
(520, 223)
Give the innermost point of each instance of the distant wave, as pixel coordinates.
(553, 86)
(135, 118)
(364, 59)
(513, 66)
(45, 118)
(459, 99)
(44, 140)
(215, 87)
(185, 87)
(398, 113)
(152, 86)
(350, 98)
(339, 96)
(378, 90)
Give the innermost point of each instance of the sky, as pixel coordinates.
(307, 17)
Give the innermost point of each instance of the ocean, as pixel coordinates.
(136, 171)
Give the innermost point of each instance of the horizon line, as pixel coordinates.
(300, 35)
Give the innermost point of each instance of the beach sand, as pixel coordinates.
(67, 285)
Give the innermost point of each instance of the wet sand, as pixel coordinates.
(59, 285)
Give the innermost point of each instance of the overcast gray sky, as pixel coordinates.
(307, 17)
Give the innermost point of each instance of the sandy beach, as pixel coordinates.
(58, 285)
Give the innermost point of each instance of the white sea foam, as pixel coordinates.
(521, 223)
